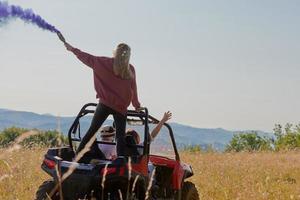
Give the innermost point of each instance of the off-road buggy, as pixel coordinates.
(142, 175)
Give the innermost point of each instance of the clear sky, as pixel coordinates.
(232, 64)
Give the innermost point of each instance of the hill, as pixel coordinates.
(185, 135)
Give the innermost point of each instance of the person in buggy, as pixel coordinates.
(107, 134)
(132, 137)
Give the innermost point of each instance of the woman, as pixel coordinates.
(115, 85)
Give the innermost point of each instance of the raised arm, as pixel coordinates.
(86, 58)
(156, 130)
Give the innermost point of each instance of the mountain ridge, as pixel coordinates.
(184, 134)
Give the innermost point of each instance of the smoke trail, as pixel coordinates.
(8, 12)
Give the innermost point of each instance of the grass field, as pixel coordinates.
(217, 176)
(246, 175)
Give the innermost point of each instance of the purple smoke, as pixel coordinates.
(27, 15)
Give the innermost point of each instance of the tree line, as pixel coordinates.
(284, 138)
(49, 138)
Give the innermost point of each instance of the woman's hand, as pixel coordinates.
(156, 130)
(166, 117)
(69, 47)
(61, 37)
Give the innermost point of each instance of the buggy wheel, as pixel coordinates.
(189, 191)
(44, 191)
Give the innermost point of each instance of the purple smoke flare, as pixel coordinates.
(11, 11)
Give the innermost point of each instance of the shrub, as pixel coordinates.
(8, 135)
(249, 142)
(45, 139)
(192, 148)
(42, 139)
(287, 138)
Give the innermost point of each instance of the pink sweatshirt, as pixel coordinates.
(112, 91)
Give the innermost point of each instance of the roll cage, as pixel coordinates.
(74, 133)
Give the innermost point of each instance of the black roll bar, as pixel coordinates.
(143, 115)
(74, 125)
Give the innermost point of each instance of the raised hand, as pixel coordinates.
(166, 117)
(61, 37)
(69, 47)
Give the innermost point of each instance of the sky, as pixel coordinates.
(231, 64)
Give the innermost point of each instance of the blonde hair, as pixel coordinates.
(121, 65)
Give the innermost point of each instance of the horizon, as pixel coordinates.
(173, 122)
(213, 64)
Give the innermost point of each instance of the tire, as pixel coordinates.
(44, 191)
(189, 191)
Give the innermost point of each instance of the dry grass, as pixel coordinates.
(24, 173)
(217, 176)
(246, 175)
